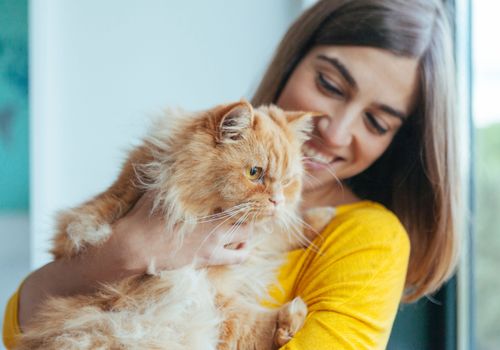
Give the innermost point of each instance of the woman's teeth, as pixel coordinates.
(316, 155)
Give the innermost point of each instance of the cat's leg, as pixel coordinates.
(291, 318)
(90, 223)
(249, 327)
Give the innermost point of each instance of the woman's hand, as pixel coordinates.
(138, 240)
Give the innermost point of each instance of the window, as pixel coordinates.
(486, 113)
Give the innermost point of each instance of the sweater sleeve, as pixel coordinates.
(352, 282)
(10, 322)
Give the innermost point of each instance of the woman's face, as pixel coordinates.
(365, 95)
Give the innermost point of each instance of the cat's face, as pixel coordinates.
(243, 163)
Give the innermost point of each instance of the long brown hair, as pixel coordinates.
(417, 176)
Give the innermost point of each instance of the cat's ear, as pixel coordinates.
(233, 122)
(301, 123)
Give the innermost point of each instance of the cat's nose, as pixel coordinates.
(276, 200)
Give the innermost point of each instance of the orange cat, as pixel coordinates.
(249, 164)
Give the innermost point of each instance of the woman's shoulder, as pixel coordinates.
(364, 225)
(364, 243)
(365, 210)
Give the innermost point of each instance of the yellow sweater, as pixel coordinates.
(352, 282)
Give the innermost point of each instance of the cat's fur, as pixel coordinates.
(196, 169)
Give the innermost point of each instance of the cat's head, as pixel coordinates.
(234, 160)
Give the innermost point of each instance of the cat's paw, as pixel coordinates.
(290, 320)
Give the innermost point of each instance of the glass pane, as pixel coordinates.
(486, 92)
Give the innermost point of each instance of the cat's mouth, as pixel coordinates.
(313, 154)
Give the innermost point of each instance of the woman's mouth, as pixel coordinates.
(314, 154)
(315, 158)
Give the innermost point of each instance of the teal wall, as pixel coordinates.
(14, 121)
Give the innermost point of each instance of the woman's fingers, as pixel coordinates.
(231, 235)
(225, 245)
(226, 256)
(141, 211)
(214, 243)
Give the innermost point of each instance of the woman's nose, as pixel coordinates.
(337, 131)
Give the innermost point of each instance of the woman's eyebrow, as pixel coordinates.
(339, 66)
(394, 112)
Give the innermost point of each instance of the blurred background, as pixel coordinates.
(486, 160)
(14, 148)
(80, 79)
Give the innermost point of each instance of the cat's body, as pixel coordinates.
(203, 168)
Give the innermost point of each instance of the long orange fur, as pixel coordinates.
(196, 169)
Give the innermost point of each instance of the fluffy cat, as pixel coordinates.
(231, 162)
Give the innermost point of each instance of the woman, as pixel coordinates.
(381, 72)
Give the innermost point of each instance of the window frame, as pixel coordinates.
(465, 320)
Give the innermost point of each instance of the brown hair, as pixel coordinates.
(417, 175)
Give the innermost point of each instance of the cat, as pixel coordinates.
(230, 162)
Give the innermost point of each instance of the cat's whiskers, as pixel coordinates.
(234, 207)
(329, 170)
(230, 233)
(336, 178)
(213, 231)
(296, 225)
(223, 214)
(309, 180)
(254, 219)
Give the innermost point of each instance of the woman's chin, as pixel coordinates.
(318, 175)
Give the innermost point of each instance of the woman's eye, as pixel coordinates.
(329, 86)
(254, 173)
(381, 130)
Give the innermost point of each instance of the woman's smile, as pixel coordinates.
(318, 157)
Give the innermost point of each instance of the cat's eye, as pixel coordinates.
(254, 173)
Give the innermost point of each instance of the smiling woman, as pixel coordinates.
(365, 94)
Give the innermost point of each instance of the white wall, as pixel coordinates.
(100, 68)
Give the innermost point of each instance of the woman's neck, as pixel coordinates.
(331, 195)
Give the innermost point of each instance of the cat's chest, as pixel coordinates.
(251, 278)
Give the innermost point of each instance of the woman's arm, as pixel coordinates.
(138, 239)
(352, 283)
